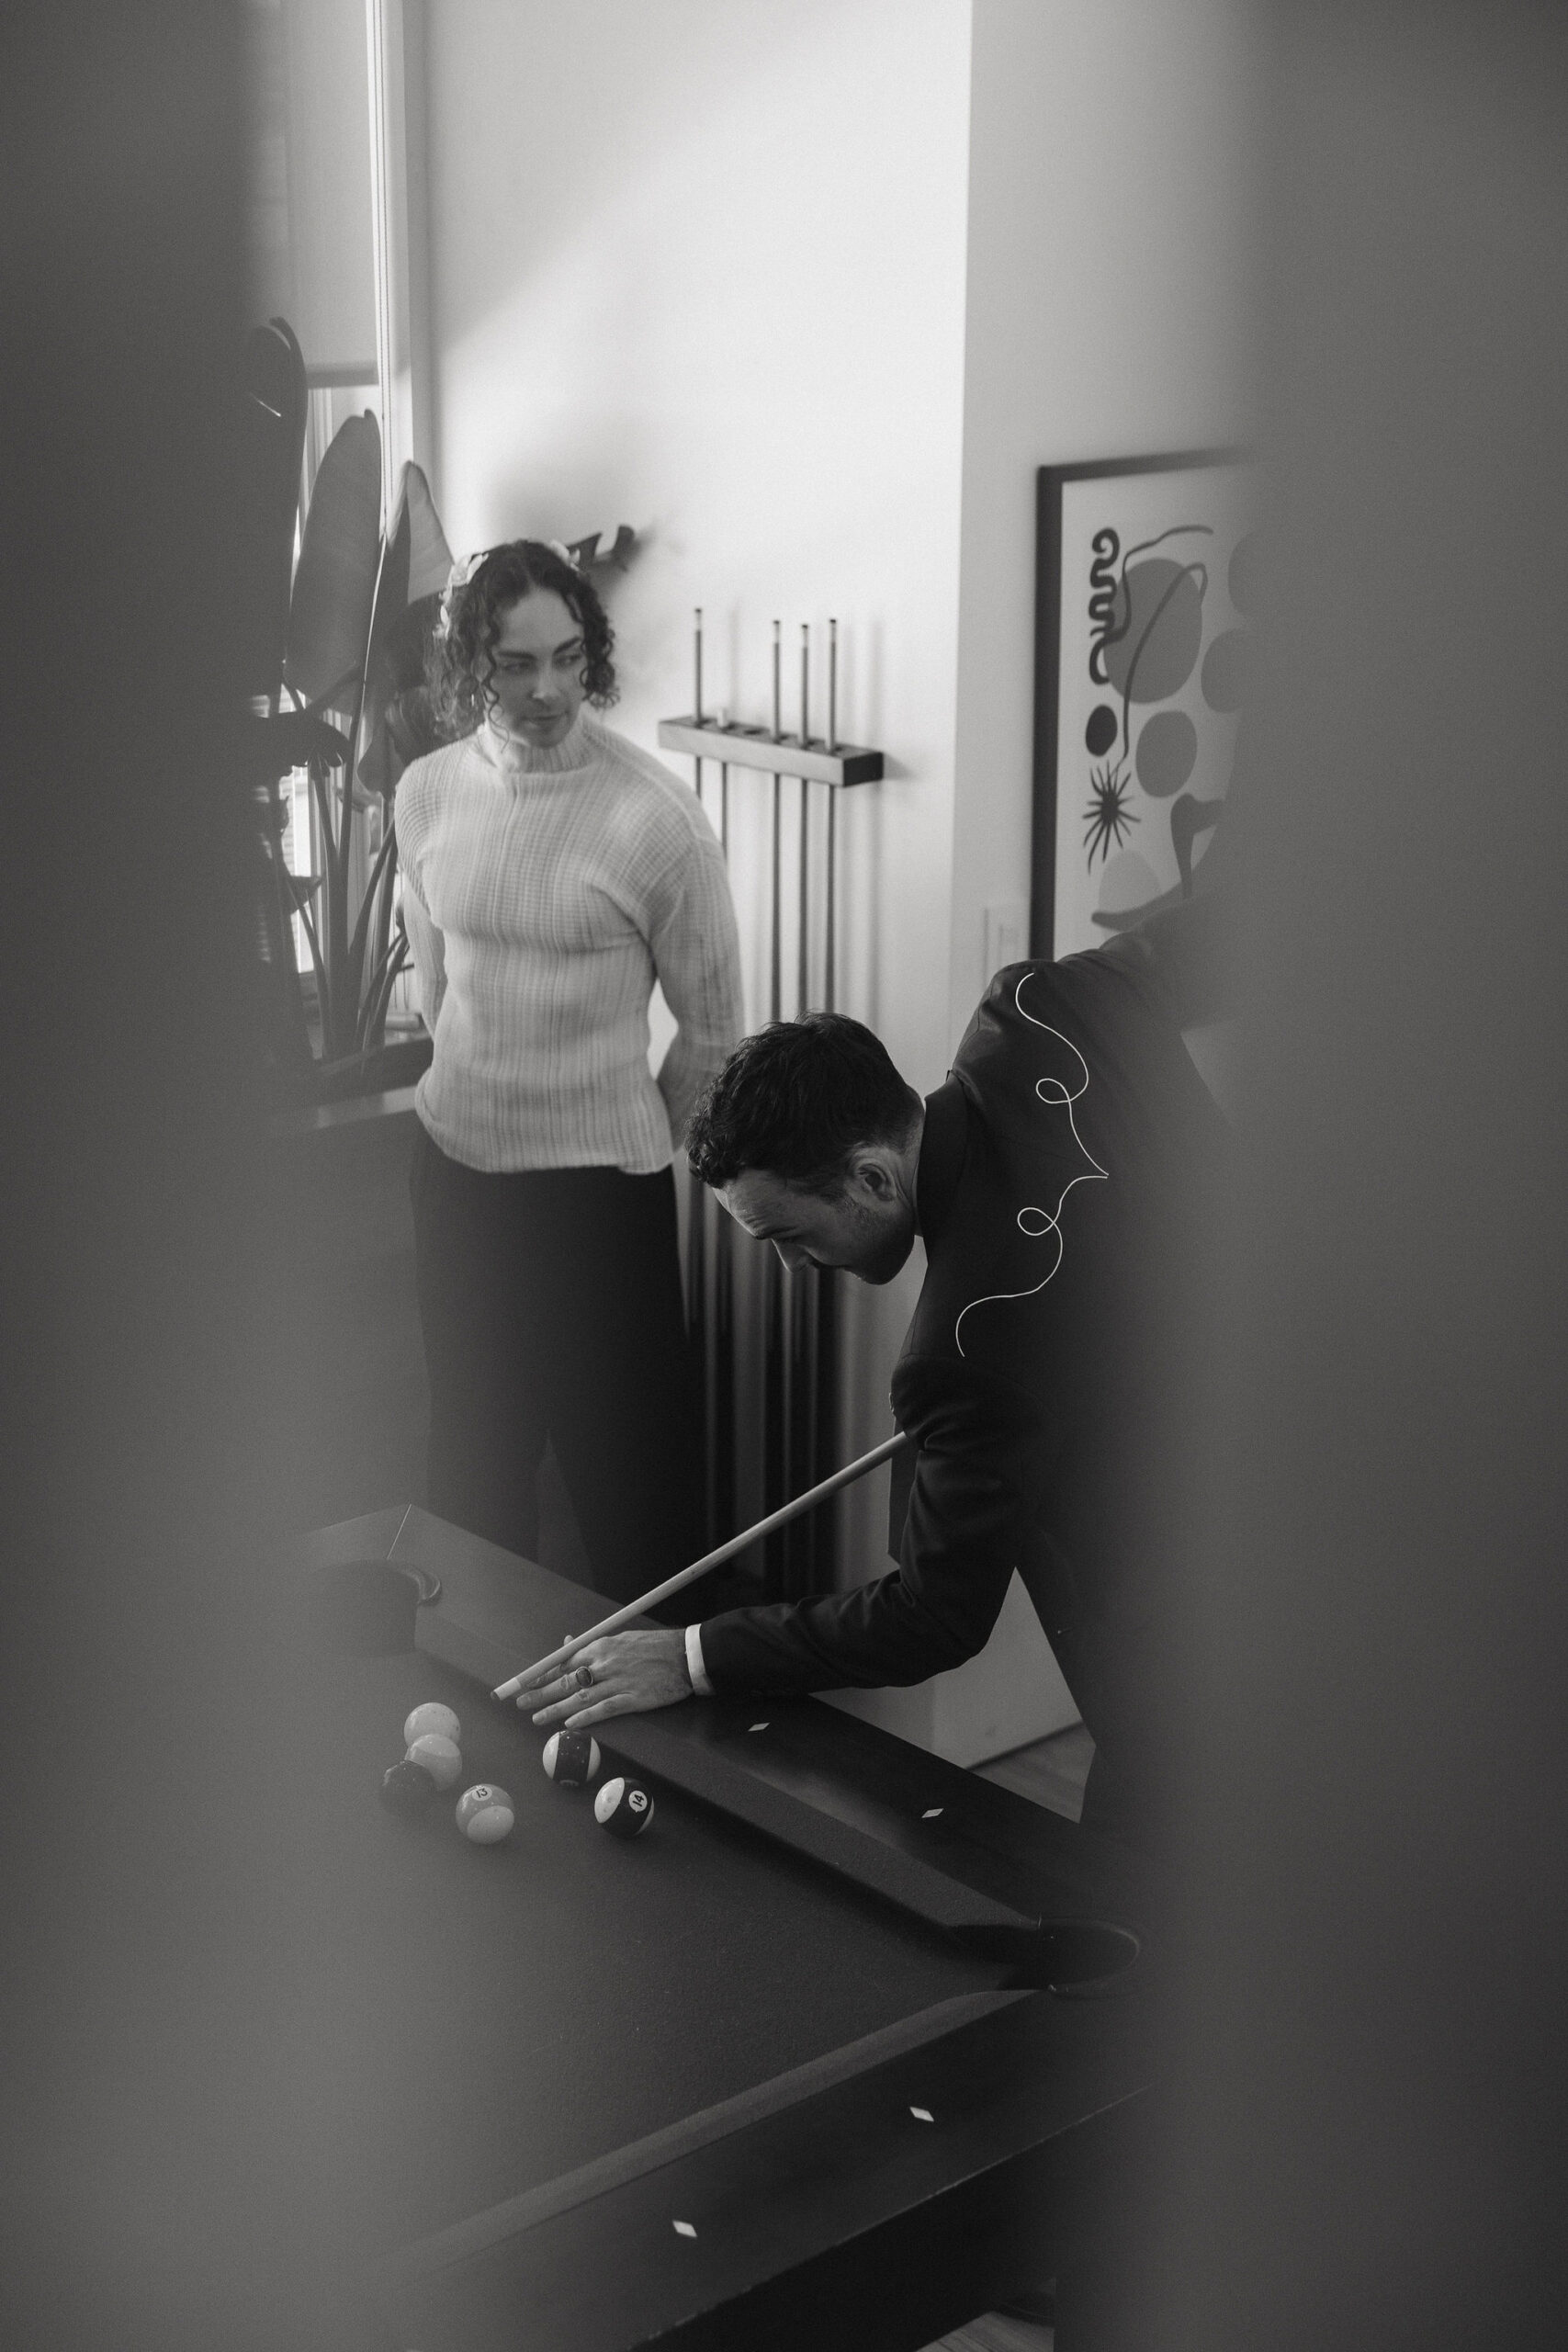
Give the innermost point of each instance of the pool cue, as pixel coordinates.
(830, 908)
(613, 1623)
(799, 1451)
(803, 943)
(697, 693)
(775, 1366)
(775, 971)
(824, 1387)
(697, 1196)
(832, 684)
(723, 1486)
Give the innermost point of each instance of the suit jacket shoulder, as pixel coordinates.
(1086, 1130)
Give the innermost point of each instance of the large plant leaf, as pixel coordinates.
(287, 740)
(406, 725)
(430, 558)
(378, 1000)
(272, 438)
(390, 603)
(381, 880)
(414, 569)
(334, 582)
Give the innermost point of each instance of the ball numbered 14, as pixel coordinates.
(623, 1808)
(485, 1815)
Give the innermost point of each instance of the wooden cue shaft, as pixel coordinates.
(697, 693)
(789, 1511)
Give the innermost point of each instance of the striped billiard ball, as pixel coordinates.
(623, 1808)
(571, 1758)
(485, 1815)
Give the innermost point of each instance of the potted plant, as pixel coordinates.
(340, 686)
(361, 609)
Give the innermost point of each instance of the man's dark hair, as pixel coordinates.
(796, 1100)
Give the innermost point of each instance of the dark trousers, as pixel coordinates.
(551, 1303)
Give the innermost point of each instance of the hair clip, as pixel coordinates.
(462, 572)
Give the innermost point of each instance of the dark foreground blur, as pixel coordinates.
(1368, 2147)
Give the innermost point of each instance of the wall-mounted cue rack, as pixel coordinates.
(789, 1317)
(753, 746)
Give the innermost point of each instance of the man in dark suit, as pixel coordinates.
(1060, 1179)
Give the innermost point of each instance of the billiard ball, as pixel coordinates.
(407, 1788)
(571, 1757)
(433, 1716)
(623, 1808)
(485, 1815)
(439, 1756)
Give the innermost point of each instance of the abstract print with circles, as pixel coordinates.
(1146, 594)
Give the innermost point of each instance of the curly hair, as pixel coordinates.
(796, 1100)
(461, 662)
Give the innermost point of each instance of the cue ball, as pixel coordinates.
(407, 1788)
(433, 1716)
(485, 1815)
(439, 1756)
(623, 1808)
(571, 1757)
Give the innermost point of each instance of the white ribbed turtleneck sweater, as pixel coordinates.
(545, 891)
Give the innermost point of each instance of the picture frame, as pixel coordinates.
(1146, 581)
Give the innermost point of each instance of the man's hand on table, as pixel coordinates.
(632, 1673)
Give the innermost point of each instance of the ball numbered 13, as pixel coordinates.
(485, 1815)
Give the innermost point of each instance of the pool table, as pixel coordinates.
(847, 2045)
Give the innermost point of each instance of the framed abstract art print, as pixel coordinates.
(1144, 589)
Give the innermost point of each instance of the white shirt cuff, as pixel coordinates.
(694, 1665)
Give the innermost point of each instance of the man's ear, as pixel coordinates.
(870, 1173)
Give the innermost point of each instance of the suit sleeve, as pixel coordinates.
(977, 1476)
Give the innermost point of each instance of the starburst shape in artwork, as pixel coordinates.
(1107, 815)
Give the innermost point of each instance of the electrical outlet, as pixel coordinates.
(1007, 935)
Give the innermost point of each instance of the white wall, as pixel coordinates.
(1108, 300)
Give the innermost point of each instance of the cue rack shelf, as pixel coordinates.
(756, 747)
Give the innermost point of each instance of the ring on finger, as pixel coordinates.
(585, 1677)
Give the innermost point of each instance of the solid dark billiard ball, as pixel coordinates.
(433, 1716)
(485, 1815)
(571, 1758)
(439, 1756)
(407, 1788)
(623, 1808)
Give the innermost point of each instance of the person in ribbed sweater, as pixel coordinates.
(552, 873)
